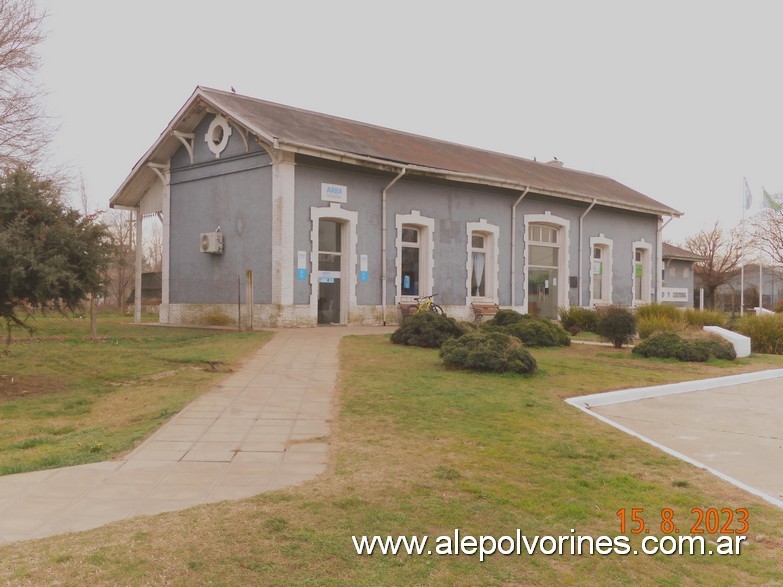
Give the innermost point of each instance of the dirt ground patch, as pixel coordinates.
(20, 386)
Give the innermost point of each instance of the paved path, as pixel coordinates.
(264, 427)
(732, 426)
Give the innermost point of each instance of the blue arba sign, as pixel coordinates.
(334, 193)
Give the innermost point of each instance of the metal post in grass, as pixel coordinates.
(249, 297)
(93, 318)
(239, 303)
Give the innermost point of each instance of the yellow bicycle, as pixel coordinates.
(426, 304)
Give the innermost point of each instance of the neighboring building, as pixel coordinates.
(678, 276)
(151, 289)
(728, 298)
(340, 221)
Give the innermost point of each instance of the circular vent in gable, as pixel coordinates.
(217, 135)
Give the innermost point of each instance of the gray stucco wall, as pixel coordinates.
(233, 192)
(452, 206)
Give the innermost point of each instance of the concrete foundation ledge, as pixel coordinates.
(740, 342)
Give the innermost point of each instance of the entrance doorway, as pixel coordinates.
(543, 270)
(542, 293)
(330, 261)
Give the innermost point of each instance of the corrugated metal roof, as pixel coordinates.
(294, 129)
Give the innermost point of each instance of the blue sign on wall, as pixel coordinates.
(363, 275)
(301, 274)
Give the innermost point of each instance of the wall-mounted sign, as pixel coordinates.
(364, 275)
(328, 276)
(334, 193)
(301, 265)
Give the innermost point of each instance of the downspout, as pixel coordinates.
(659, 259)
(383, 242)
(581, 249)
(514, 246)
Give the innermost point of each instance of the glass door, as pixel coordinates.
(542, 293)
(330, 239)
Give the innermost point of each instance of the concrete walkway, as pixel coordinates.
(732, 426)
(264, 427)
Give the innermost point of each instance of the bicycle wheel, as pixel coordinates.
(437, 309)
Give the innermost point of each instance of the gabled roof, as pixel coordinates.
(320, 135)
(671, 252)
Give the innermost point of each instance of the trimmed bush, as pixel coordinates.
(717, 347)
(467, 327)
(506, 317)
(539, 332)
(765, 332)
(664, 345)
(617, 325)
(490, 351)
(426, 329)
(670, 345)
(576, 319)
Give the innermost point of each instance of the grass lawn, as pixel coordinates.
(417, 449)
(65, 400)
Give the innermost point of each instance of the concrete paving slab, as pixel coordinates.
(732, 427)
(245, 436)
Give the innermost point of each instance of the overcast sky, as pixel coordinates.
(678, 100)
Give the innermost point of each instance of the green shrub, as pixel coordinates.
(656, 310)
(704, 318)
(467, 327)
(426, 329)
(765, 332)
(576, 319)
(617, 325)
(663, 345)
(539, 332)
(487, 351)
(670, 345)
(693, 351)
(718, 347)
(652, 324)
(506, 317)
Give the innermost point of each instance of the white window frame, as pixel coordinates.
(426, 227)
(564, 233)
(646, 293)
(491, 250)
(606, 245)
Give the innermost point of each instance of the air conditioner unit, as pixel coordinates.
(212, 242)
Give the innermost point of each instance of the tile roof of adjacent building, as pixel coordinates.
(321, 135)
(671, 252)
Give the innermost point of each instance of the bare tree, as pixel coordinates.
(723, 252)
(767, 230)
(25, 131)
(122, 272)
(153, 245)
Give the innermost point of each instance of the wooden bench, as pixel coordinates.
(481, 310)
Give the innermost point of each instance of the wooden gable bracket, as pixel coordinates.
(186, 138)
(242, 132)
(159, 169)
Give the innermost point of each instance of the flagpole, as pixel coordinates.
(761, 274)
(742, 257)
